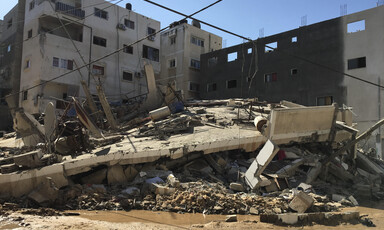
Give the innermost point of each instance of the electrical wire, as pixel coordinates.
(275, 49)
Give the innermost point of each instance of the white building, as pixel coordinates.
(97, 28)
(181, 47)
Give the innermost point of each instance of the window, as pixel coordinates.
(9, 23)
(194, 87)
(127, 76)
(357, 63)
(62, 63)
(172, 63)
(172, 40)
(327, 100)
(25, 95)
(55, 62)
(128, 49)
(212, 61)
(151, 31)
(29, 33)
(270, 77)
(294, 39)
(195, 63)
(32, 5)
(197, 41)
(270, 47)
(354, 27)
(231, 84)
(129, 24)
(27, 64)
(9, 48)
(99, 41)
(249, 50)
(101, 13)
(98, 70)
(293, 72)
(150, 53)
(232, 56)
(211, 87)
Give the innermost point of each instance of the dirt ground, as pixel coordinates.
(166, 220)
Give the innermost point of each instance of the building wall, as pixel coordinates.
(185, 77)
(40, 51)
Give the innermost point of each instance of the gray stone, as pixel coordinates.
(236, 187)
(253, 211)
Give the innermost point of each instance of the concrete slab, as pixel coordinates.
(301, 202)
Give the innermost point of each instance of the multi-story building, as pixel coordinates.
(11, 46)
(181, 47)
(92, 29)
(307, 65)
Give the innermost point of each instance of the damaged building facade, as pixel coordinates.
(181, 47)
(91, 30)
(306, 66)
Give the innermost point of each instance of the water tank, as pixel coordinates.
(128, 6)
(196, 24)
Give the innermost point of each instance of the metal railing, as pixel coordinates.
(70, 10)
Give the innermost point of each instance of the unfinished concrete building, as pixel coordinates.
(91, 30)
(350, 44)
(181, 47)
(10, 59)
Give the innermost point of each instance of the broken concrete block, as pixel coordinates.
(9, 168)
(260, 163)
(46, 193)
(305, 187)
(289, 218)
(366, 164)
(97, 177)
(313, 173)
(130, 172)
(353, 200)
(340, 172)
(231, 218)
(173, 181)
(162, 190)
(253, 211)
(236, 187)
(289, 170)
(301, 202)
(337, 197)
(115, 175)
(30, 160)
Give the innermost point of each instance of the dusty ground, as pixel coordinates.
(165, 220)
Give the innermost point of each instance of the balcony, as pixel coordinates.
(70, 10)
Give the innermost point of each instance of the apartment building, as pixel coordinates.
(181, 47)
(92, 29)
(306, 66)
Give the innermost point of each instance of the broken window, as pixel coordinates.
(194, 86)
(9, 48)
(270, 47)
(172, 40)
(211, 87)
(294, 39)
(128, 49)
(250, 50)
(195, 63)
(172, 63)
(25, 95)
(150, 53)
(29, 33)
(270, 77)
(127, 76)
(32, 5)
(99, 41)
(101, 13)
(98, 70)
(9, 24)
(27, 64)
(354, 27)
(151, 31)
(327, 100)
(212, 61)
(232, 56)
(197, 41)
(129, 24)
(294, 71)
(357, 63)
(231, 84)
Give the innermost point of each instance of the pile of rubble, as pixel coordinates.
(214, 157)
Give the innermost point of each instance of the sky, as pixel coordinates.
(244, 17)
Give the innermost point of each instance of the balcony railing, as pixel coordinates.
(70, 10)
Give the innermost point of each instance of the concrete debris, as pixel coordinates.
(202, 156)
(231, 218)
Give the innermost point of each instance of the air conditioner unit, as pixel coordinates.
(172, 33)
(121, 26)
(138, 74)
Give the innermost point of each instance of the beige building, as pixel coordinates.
(181, 47)
(94, 28)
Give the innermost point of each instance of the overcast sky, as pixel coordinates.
(245, 17)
